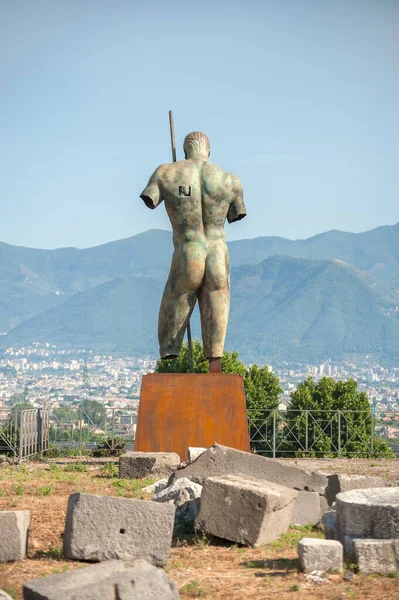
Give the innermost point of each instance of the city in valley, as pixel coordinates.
(46, 375)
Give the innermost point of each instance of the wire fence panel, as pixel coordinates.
(330, 433)
(108, 428)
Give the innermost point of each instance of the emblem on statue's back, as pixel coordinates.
(184, 190)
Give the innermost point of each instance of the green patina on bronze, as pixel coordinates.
(198, 196)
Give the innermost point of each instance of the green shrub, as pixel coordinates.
(75, 468)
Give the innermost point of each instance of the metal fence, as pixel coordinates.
(331, 433)
(274, 433)
(108, 428)
(25, 433)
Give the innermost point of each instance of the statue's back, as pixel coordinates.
(198, 191)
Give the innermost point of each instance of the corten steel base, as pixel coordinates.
(179, 410)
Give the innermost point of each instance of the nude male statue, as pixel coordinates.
(198, 196)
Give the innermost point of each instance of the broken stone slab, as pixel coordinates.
(14, 529)
(306, 509)
(185, 496)
(369, 513)
(103, 528)
(320, 555)
(156, 487)
(194, 453)
(245, 510)
(377, 556)
(219, 461)
(111, 579)
(338, 483)
(138, 465)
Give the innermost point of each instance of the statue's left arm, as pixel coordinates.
(237, 210)
(152, 194)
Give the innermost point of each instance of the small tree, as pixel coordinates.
(314, 424)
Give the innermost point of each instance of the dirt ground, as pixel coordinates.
(201, 567)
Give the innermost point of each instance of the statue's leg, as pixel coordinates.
(181, 291)
(214, 300)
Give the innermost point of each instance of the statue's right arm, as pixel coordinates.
(152, 194)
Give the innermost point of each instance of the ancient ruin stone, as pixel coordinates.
(245, 510)
(111, 579)
(369, 513)
(219, 461)
(138, 465)
(320, 555)
(14, 527)
(103, 528)
(377, 556)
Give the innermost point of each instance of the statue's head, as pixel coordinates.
(196, 145)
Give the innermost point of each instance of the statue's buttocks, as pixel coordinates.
(198, 197)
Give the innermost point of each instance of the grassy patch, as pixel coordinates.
(109, 470)
(193, 590)
(294, 535)
(10, 591)
(19, 489)
(131, 488)
(54, 554)
(75, 468)
(45, 490)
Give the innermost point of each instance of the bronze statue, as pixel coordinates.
(198, 197)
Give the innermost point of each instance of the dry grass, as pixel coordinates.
(200, 567)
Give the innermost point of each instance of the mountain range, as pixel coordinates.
(330, 296)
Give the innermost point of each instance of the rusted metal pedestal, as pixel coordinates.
(178, 410)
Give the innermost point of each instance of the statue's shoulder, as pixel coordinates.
(230, 180)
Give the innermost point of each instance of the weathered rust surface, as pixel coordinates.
(178, 410)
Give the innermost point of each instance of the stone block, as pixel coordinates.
(111, 579)
(377, 556)
(185, 496)
(4, 596)
(219, 461)
(245, 510)
(103, 528)
(194, 453)
(320, 555)
(138, 465)
(368, 513)
(14, 528)
(306, 509)
(338, 483)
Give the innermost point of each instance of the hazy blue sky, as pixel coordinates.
(298, 97)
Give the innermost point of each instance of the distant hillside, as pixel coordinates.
(283, 308)
(375, 251)
(298, 309)
(33, 280)
(119, 314)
